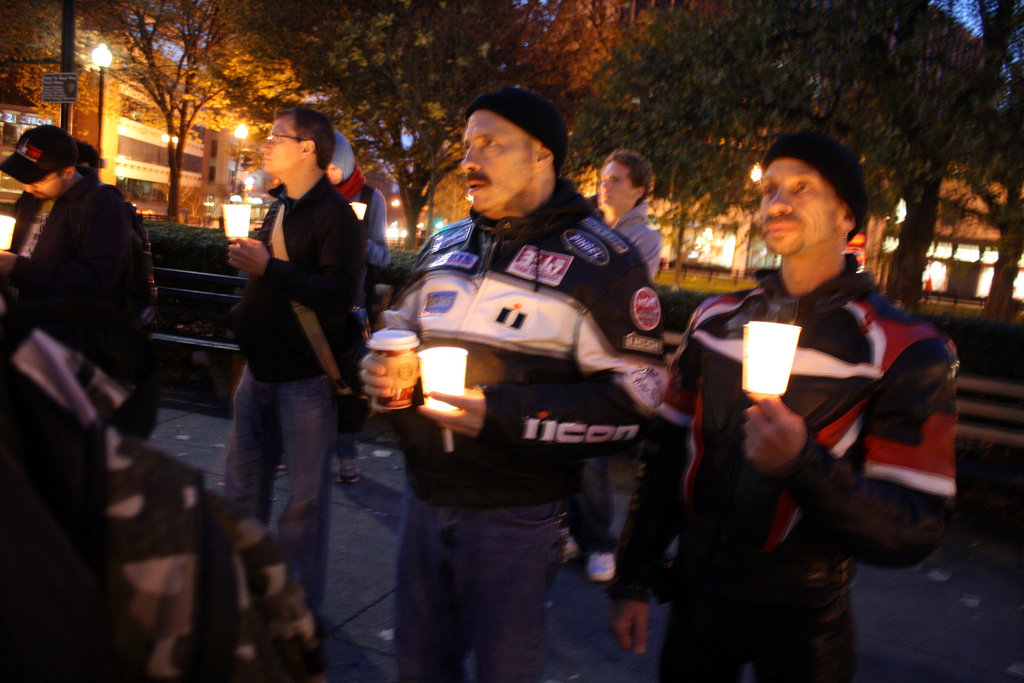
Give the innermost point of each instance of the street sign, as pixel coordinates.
(60, 87)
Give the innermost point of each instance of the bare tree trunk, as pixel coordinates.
(908, 261)
(412, 205)
(174, 161)
(1000, 303)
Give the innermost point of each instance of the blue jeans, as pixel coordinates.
(591, 511)
(296, 421)
(473, 579)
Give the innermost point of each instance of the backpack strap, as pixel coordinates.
(366, 196)
(81, 209)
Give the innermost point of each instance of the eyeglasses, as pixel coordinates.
(275, 138)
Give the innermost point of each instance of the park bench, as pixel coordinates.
(991, 412)
(193, 313)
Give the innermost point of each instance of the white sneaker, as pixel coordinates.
(570, 548)
(601, 567)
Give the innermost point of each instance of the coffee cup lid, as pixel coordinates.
(393, 340)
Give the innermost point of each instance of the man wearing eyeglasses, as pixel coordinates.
(309, 251)
(57, 252)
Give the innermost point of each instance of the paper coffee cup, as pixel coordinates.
(6, 232)
(768, 351)
(396, 350)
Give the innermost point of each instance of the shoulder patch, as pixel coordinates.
(453, 234)
(645, 309)
(586, 246)
(617, 242)
(455, 259)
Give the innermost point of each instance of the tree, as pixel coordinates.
(995, 166)
(702, 90)
(181, 56)
(398, 74)
(921, 74)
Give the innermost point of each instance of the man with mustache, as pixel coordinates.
(773, 498)
(564, 338)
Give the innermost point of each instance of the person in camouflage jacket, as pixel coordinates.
(163, 582)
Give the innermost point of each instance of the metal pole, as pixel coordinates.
(67, 56)
(99, 118)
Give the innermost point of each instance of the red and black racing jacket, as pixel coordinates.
(564, 336)
(875, 480)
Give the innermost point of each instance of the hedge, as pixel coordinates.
(985, 347)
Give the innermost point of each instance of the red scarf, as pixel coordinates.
(350, 188)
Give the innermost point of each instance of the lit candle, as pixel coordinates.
(236, 220)
(768, 350)
(6, 232)
(443, 370)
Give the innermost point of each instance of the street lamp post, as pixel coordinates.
(241, 133)
(101, 57)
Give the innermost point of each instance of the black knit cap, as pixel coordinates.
(40, 151)
(534, 113)
(836, 163)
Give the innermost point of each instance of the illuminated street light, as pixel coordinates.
(755, 173)
(102, 58)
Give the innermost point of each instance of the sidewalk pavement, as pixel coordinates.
(957, 616)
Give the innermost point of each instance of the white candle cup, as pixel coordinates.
(443, 370)
(768, 351)
(6, 232)
(236, 220)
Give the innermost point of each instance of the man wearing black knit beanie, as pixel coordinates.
(779, 496)
(564, 340)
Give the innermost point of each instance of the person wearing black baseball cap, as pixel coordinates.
(71, 235)
(564, 338)
(783, 494)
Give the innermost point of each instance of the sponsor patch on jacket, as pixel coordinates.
(548, 268)
(511, 316)
(618, 244)
(454, 234)
(438, 303)
(647, 386)
(586, 246)
(455, 259)
(638, 342)
(645, 309)
(553, 431)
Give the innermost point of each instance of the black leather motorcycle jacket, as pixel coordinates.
(564, 336)
(875, 480)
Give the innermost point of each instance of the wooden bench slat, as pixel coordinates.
(990, 385)
(1007, 437)
(990, 409)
